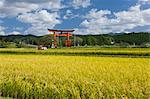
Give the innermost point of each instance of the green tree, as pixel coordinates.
(78, 41)
(91, 40)
(45, 40)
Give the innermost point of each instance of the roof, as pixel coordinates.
(53, 30)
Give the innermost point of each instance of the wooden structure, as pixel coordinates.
(62, 33)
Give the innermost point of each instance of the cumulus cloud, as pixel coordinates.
(14, 33)
(144, 1)
(69, 15)
(31, 12)
(97, 22)
(40, 21)
(2, 30)
(2, 33)
(12, 8)
(43, 14)
(81, 3)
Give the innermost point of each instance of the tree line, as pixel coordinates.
(141, 39)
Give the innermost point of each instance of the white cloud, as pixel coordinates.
(14, 33)
(2, 33)
(95, 14)
(2, 30)
(81, 3)
(40, 21)
(1, 3)
(31, 12)
(69, 15)
(144, 1)
(97, 22)
(12, 8)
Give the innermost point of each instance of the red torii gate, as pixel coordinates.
(62, 33)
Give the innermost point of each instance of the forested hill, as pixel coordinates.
(139, 39)
(130, 38)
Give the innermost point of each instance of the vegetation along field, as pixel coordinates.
(75, 74)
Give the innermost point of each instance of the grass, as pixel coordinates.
(51, 77)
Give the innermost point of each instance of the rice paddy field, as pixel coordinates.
(83, 73)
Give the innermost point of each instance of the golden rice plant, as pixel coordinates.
(77, 77)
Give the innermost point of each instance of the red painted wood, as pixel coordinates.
(65, 33)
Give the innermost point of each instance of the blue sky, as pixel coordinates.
(85, 16)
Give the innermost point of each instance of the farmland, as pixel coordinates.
(75, 73)
(133, 52)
